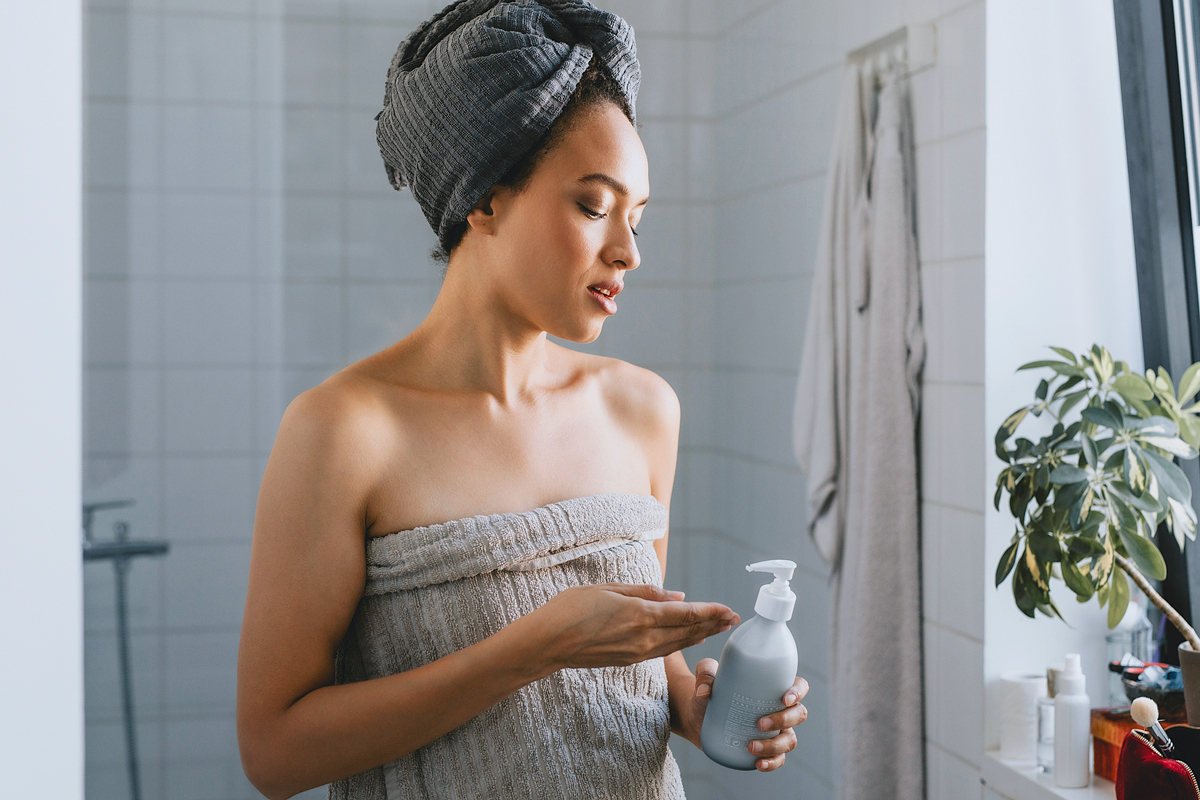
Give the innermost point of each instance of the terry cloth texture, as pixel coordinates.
(475, 86)
(574, 735)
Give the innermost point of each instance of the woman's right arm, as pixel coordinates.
(296, 730)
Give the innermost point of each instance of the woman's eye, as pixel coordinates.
(599, 215)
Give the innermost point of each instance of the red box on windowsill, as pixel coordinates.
(1109, 727)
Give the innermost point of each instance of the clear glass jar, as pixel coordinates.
(1045, 735)
(1134, 636)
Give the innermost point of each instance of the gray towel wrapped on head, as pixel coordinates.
(476, 85)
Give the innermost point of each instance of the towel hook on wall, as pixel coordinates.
(915, 45)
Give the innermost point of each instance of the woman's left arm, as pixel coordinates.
(688, 692)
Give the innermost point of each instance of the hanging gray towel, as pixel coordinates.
(855, 436)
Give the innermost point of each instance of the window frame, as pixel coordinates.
(1160, 154)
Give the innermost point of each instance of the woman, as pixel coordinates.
(524, 648)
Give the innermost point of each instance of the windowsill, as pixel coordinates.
(1020, 780)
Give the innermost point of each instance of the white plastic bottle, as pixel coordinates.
(1072, 727)
(756, 668)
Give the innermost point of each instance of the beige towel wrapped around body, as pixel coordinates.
(578, 733)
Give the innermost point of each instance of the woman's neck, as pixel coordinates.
(473, 341)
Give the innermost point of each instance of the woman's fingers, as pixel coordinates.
(784, 742)
(787, 718)
(706, 672)
(794, 714)
(676, 613)
(646, 591)
(769, 764)
(678, 641)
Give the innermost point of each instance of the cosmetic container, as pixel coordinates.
(756, 668)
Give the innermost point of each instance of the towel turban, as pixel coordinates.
(474, 87)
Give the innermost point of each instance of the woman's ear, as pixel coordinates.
(483, 216)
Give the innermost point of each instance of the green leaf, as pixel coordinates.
(1083, 547)
(1102, 417)
(1044, 546)
(1049, 609)
(1170, 477)
(1189, 384)
(1125, 517)
(1006, 562)
(1068, 494)
(1189, 430)
(1023, 591)
(1040, 364)
(1172, 444)
(1009, 426)
(1156, 425)
(1066, 386)
(1143, 502)
(1162, 382)
(1132, 471)
(1133, 387)
(1075, 580)
(1118, 598)
(1065, 473)
(1144, 554)
(1038, 571)
(1065, 353)
(1022, 493)
(1090, 451)
(1041, 478)
(1118, 413)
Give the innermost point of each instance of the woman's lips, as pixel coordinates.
(605, 302)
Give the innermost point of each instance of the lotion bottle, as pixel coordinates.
(1072, 727)
(756, 668)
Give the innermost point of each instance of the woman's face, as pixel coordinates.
(568, 237)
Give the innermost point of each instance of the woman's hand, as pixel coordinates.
(688, 717)
(773, 751)
(617, 624)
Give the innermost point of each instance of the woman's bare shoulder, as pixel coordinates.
(643, 403)
(638, 398)
(344, 422)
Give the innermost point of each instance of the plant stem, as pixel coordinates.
(1179, 622)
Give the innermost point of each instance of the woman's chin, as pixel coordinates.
(580, 334)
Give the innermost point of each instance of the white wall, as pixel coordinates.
(760, 151)
(1060, 268)
(41, 658)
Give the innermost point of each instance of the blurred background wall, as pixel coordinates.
(242, 243)
(41, 651)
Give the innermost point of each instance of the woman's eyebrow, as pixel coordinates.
(610, 182)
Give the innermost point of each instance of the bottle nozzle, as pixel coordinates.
(782, 569)
(776, 599)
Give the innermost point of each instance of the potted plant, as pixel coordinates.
(1089, 495)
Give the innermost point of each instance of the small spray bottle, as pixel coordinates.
(756, 668)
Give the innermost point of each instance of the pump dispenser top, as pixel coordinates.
(1071, 680)
(776, 599)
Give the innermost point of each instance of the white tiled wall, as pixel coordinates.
(244, 243)
(768, 127)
